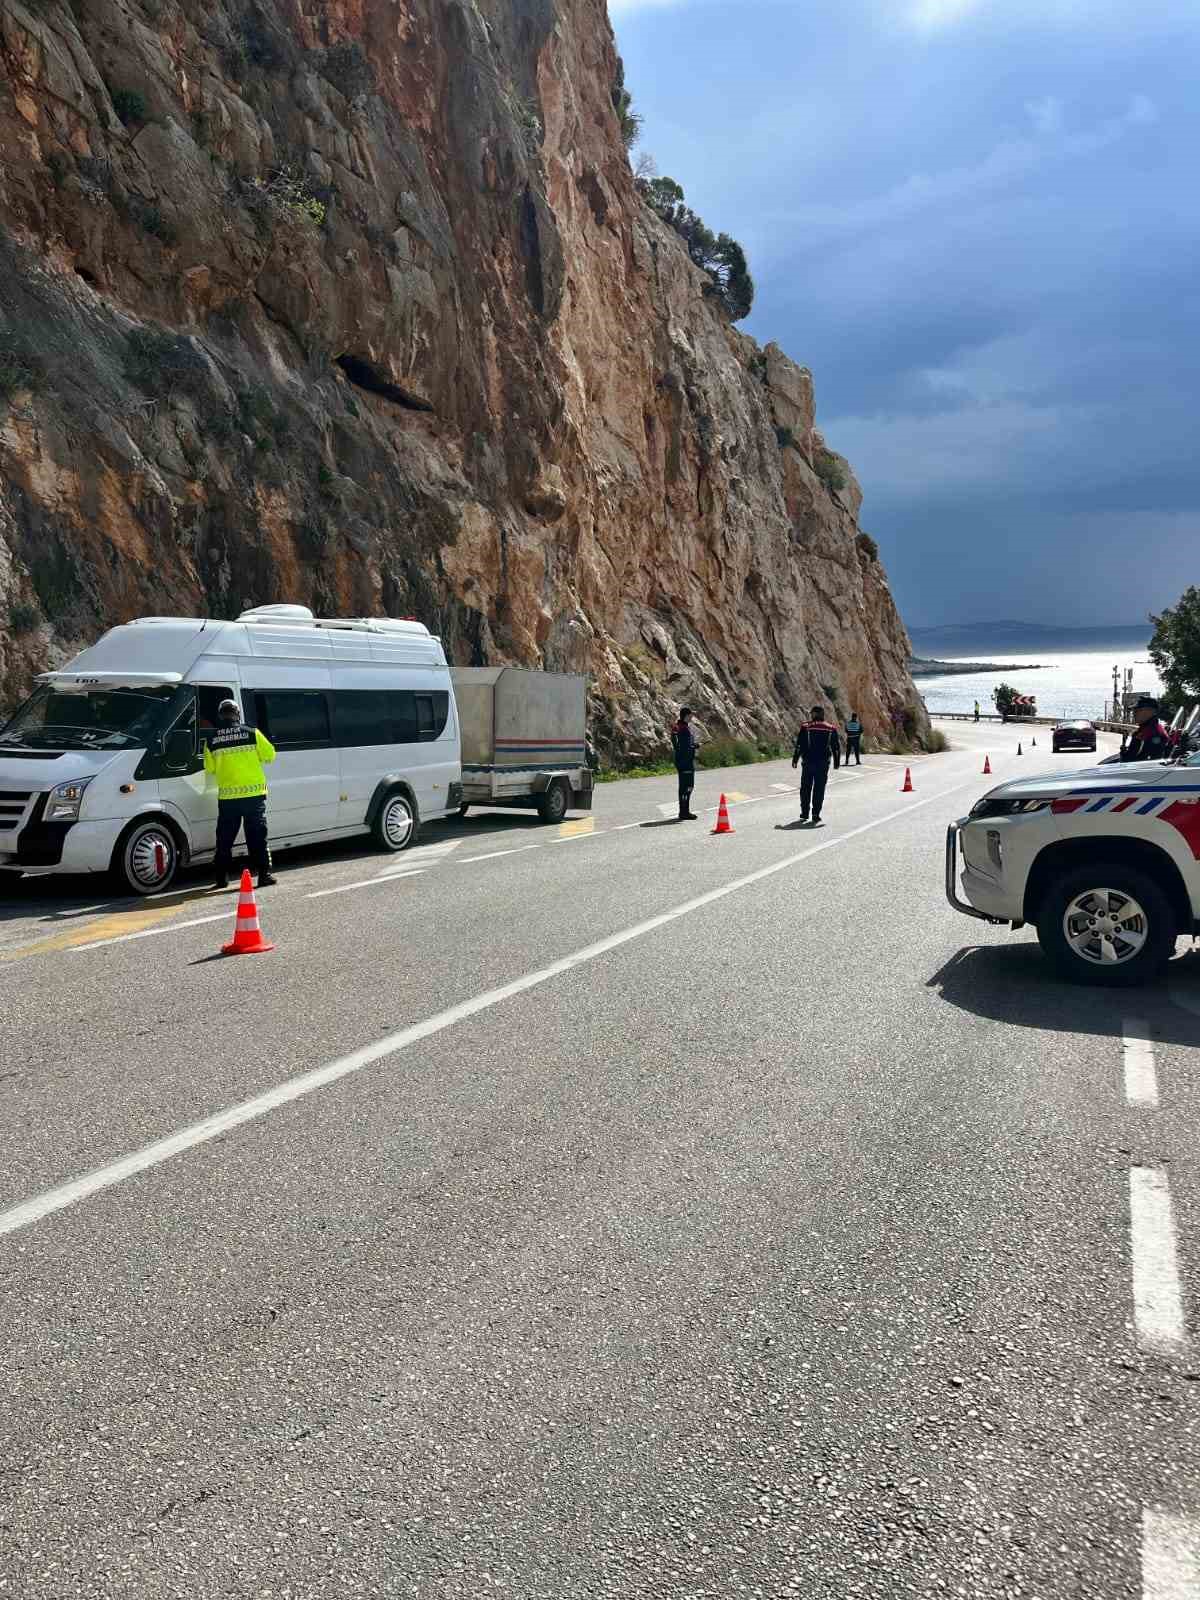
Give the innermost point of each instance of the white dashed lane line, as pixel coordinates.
(1157, 1299)
(363, 883)
(1141, 1079)
(1170, 1556)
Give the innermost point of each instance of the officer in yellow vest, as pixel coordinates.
(234, 753)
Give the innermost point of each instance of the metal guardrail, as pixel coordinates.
(1017, 722)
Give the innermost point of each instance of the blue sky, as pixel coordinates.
(978, 222)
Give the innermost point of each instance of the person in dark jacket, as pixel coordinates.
(683, 743)
(1150, 742)
(854, 733)
(816, 745)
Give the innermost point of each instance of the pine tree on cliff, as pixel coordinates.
(721, 256)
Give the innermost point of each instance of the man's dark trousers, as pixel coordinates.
(813, 778)
(231, 815)
(687, 782)
(854, 748)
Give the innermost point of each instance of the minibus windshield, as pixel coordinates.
(101, 719)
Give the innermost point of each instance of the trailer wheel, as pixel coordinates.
(553, 805)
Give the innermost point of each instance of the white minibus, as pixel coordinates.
(101, 769)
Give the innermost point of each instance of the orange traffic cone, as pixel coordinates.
(907, 786)
(1018, 747)
(987, 766)
(247, 935)
(723, 823)
(1034, 741)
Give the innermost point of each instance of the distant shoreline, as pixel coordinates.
(921, 667)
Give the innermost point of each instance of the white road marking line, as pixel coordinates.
(153, 1155)
(421, 855)
(573, 838)
(667, 808)
(1170, 1556)
(784, 788)
(513, 850)
(1157, 1302)
(1141, 1080)
(365, 883)
(149, 933)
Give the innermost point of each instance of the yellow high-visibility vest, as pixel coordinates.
(235, 755)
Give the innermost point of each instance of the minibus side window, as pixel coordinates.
(404, 716)
(425, 725)
(208, 698)
(362, 717)
(293, 719)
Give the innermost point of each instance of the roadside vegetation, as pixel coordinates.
(716, 753)
(1175, 650)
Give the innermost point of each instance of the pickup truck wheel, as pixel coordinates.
(1107, 923)
(464, 808)
(395, 826)
(553, 805)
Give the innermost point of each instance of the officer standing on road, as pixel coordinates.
(683, 743)
(854, 733)
(977, 711)
(235, 754)
(816, 743)
(1150, 742)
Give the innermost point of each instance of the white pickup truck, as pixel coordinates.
(1105, 863)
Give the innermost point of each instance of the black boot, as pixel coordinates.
(266, 880)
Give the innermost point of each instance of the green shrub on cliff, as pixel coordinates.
(18, 370)
(129, 105)
(629, 120)
(829, 469)
(721, 256)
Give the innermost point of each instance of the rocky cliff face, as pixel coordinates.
(358, 306)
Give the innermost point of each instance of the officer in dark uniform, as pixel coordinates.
(816, 745)
(683, 746)
(1150, 742)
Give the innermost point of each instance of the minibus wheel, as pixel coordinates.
(395, 826)
(147, 856)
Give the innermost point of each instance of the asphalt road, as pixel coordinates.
(613, 1210)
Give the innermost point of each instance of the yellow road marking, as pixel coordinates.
(735, 794)
(574, 830)
(108, 927)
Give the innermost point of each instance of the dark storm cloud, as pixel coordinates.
(978, 223)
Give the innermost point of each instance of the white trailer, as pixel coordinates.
(524, 739)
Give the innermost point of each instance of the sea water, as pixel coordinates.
(1070, 684)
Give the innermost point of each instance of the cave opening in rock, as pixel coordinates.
(364, 375)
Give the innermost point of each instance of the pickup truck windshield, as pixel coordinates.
(102, 719)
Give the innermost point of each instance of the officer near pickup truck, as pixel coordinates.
(816, 745)
(235, 753)
(1150, 741)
